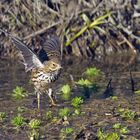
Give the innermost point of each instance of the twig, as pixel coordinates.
(129, 44)
(42, 30)
(53, 11)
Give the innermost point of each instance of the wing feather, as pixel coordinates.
(30, 58)
(52, 47)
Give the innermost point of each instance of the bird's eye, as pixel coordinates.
(53, 64)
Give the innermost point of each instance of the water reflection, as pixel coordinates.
(12, 74)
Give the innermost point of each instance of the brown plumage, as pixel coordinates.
(45, 66)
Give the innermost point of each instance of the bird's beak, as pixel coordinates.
(60, 67)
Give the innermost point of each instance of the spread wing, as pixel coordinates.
(52, 47)
(30, 58)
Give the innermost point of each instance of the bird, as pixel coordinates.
(45, 66)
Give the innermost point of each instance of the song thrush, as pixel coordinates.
(44, 66)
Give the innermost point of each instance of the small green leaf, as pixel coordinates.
(67, 130)
(117, 126)
(84, 82)
(18, 121)
(76, 102)
(34, 123)
(19, 93)
(64, 112)
(94, 72)
(3, 116)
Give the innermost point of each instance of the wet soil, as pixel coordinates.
(97, 111)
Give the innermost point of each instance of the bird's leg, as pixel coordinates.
(38, 100)
(38, 97)
(50, 94)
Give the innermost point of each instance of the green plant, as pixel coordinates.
(107, 136)
(137, 92)
(49, 115)
(127, 114)
(114, 97)
(19, 93)
(64, 112)
(67, 130)
(93, 72)
(2, 116)
(117, 126)
(34, 123)
(122, 130)
(66, 91)
(84, 83)
(89, 25)
(76, 102)
(18, 121)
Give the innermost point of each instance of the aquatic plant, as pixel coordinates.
(84, 83)
(127, 114)
(18, 121)
(64, 112)
(77, 101)
(67, 130)
(34, 123)
(122, 130)
(49, 115)
(117, 126)
(107, 136)
(3, 116)
(93, 72)
(19, 93)
(66, 91)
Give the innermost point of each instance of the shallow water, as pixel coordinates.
(12, 74)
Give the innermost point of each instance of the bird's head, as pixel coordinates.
(53, 66)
